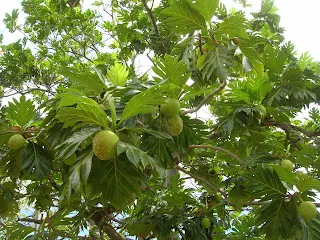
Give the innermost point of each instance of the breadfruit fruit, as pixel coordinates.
(105, 145)
(287, 164)
(205, 222)
(173, 125)
(170, 108)
(70, 160)
(16, 142)
(307, 210)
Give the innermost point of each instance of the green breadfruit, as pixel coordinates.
(105, 144)
(205, 222)
(170, 108)
(16, 142)
(287, 164)
(173, 125)
(70, 160)
(307, 210)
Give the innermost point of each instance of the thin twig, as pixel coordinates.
(201, 179)
(235, 156)
(151, 16)
(25, 92)
(206, 99)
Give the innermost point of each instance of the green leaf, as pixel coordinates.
(146, 102)
(206, 8)
(21, 112)
(4, 133)
(117, 180)
(83, 114)
(285, 174)
(235, 25)
(239, 195)
(78, 173)
(135, 155)
(277, 218)
(265, 184)
(184, 18)
(35, 159)
(305, 182)
(256, 60)
(312, 228)
(85, 81)
(69, 146)
(172, 69)
(216, 62)
(118, 74)
(18, 231)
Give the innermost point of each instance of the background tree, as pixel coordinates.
(96, 148)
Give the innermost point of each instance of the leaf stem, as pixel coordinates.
(206, 99)
(235, 156)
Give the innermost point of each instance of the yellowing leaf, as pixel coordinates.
(118, 74)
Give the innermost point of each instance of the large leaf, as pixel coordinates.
(117, 180)
(265, 184)
(148, 101)
(172, 69)
(306, 182)
(21, 112)
(83, 114)
(85, 81)
(69, 146)
(36, 160)
(184, 18)
(117, 74)
(311, 229)
(250, 52)
(206, 8)
(136, 155)
(78, 173)
(234, 25)
(216, 62)
(277, 218)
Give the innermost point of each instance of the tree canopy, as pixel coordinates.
(95, 145)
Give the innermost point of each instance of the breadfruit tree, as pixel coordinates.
(96, 145)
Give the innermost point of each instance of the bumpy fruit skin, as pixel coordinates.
(287, 164)
(173, 125)
(170, 108)
(70, 160)
(16, 142)
(205, 222)
(307, 210)
(105, 145)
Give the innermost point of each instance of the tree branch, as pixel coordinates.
(235, 156)
(25, 92)
(53, 183)
(290, 127)
(206, 99)
(151, 16)
(112, 233)
(201, 179)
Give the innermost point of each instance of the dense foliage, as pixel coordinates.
(96, 146)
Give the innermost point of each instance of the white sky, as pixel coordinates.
(300, 18)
